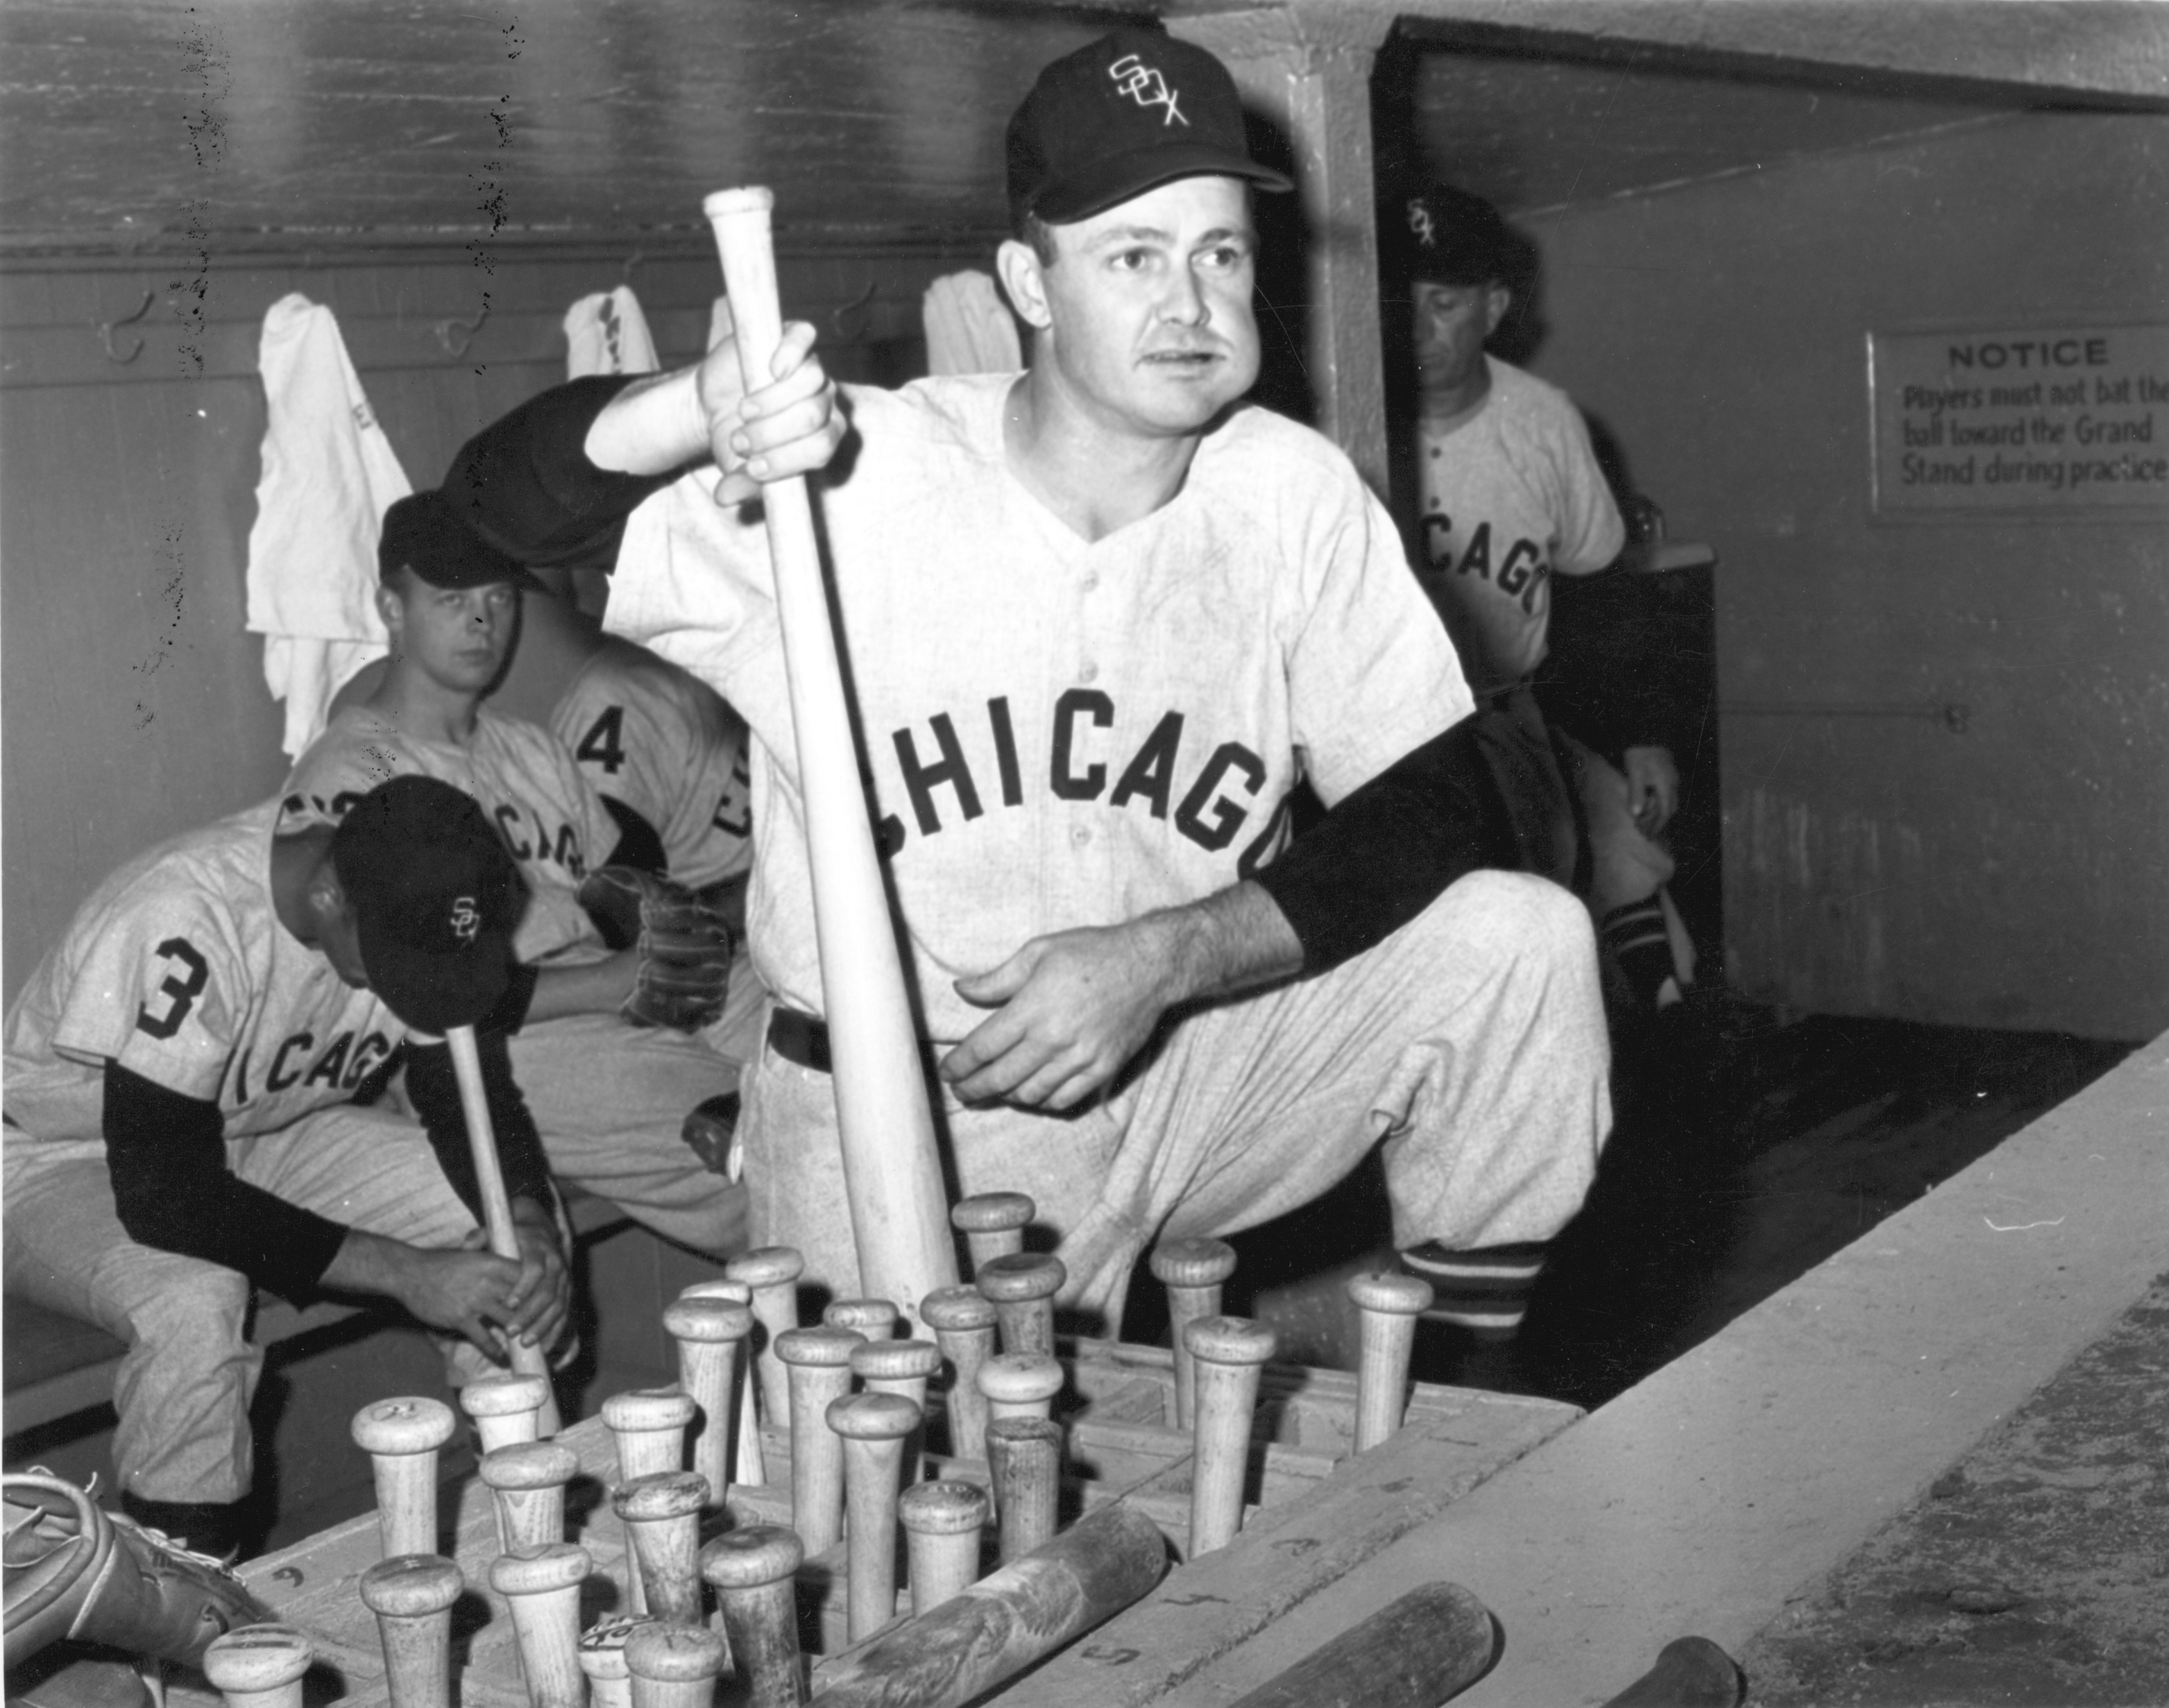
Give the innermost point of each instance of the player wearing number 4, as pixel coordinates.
(1101, 619)
(182, 1072)
(610, 1097)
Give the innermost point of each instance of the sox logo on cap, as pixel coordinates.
(1147, 86)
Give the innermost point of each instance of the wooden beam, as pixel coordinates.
(1306, 66)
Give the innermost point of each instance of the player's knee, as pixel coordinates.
(1538, 922)
(196, 1311)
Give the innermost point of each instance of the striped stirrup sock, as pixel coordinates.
(1636, 936)
(1485, 1291)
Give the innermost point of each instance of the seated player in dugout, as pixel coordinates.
(1509, 492)
(621, 1022)
(188, 1074)
(1102, 617)
(664, 750)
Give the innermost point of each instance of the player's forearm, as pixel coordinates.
(1232, 941)
(371, 1264)
(599, 987)
(655, 426)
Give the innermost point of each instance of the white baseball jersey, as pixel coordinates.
(178, 968)
(1511, 492)
(1060, 733)
(648, 734)
(556, 826)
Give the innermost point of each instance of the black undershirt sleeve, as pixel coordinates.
(167, 1156)
(639, 843)
(510, 1014)
(433, 1089)
(525, 482)
(1386, 851)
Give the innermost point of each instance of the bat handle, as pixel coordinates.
(740, 218)
(527, 1359)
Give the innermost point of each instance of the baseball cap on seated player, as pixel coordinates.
(1124, 114)
(1448, 236)
(422, 532)
(435, 895)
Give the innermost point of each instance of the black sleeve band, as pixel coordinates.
(639, 843)
(1384, 852)
(510, 1014)
(525, 485)
(167, 1155)
(433, 1088)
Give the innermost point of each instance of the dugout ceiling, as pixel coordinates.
(131, 127)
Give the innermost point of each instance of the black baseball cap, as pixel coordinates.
(421, 531)
(436, 896)
(1126, 113)
(1448, 236)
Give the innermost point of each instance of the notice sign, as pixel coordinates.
(2058, 419)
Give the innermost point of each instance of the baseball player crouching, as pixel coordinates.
(604, 941)
(181, 1123)
(1102, 617)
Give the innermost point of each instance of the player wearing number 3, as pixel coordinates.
(181, 1121)
(1101, 619)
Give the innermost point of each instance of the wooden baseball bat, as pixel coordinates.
(1193, 1271)
(892, 1170)
(750, 1568)
(662, 1517)
(1228, 1355)
(412, 1596)
(673, 1665)
(748, 1462)
(543, 1588)
(259, 1665)
(991, 1631)
(1389, 1305)
(873, 1428)
(819, 1360)
(943, 1524)
(602, 1659)
(497, 1209)
(402, 1438)
(1431, 1645)
(1692, 1672)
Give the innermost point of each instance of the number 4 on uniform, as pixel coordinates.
(605, 741)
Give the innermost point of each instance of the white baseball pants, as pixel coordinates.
(1471, 1043)
(186, 1383)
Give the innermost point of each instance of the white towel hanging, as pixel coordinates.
(329, 475)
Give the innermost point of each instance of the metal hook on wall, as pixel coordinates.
(862, 304)
(105, 332)
(465, 330)
(635, 259)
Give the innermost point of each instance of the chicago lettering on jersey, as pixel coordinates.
(526, 834)
(341, 1065)
(1521, 572)
(1208, 796)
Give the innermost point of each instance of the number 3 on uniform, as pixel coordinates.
(184, 990)
(605, 741)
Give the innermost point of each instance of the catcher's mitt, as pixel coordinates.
(75, 1570)
(685, 945)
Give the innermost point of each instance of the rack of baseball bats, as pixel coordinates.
(821, 1510)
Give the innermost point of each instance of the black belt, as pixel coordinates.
(804, 1041)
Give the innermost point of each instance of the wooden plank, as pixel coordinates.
(1289, 1554)
(1727, 1484)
